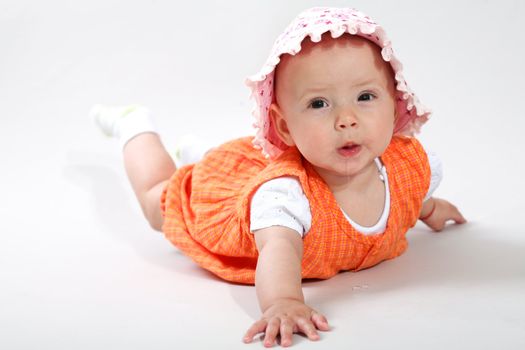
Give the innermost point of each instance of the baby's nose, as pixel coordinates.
(350, 124)
(347, 120)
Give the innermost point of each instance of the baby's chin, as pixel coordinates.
(340, 172)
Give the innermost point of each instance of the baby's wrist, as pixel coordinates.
(426, 214)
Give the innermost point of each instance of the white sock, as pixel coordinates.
(133, 124)
(190, 149)
(122, 122)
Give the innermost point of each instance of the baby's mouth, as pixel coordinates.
(349, 150)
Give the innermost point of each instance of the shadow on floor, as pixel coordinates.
(113, 204)
(460, 257)
(473, 255)
(469, 256)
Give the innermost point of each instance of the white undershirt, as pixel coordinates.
(282, 202)
(380, 225)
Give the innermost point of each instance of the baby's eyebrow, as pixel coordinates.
(319, 89)
(313, 90)
(366, 82)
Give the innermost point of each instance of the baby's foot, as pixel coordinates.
(108, 118)
(190, 149)
(122, 122)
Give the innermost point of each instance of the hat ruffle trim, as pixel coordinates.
(411, 113)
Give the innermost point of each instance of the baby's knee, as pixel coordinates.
(155, 224)
(155, 219)
(152, 210)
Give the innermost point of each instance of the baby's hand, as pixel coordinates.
(443, 211)
(285, 317)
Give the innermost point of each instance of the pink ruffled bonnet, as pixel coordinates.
(314, 22)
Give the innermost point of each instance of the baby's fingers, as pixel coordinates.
(308, 328)
(256, 328)
(452, 212)
(458, 217)
(287, 327)
(320, 321)
(272, 329)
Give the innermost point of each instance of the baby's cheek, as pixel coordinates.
(379, 142)
(309, 133)
(385, 133)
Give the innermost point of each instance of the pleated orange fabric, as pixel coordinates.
(206, 208)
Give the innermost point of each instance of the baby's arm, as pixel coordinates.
(278, 286)
(436, 212)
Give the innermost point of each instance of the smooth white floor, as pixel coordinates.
(80, 268)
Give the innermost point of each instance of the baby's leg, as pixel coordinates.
(149, 167)
(147, 163)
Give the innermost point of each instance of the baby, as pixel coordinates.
(334, 182)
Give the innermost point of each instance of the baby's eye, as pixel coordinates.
(318, 103)
(366, 96)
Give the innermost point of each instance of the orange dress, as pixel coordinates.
(206, 208)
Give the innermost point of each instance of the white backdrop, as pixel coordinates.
(79, 268)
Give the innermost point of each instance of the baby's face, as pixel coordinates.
(335, 102)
